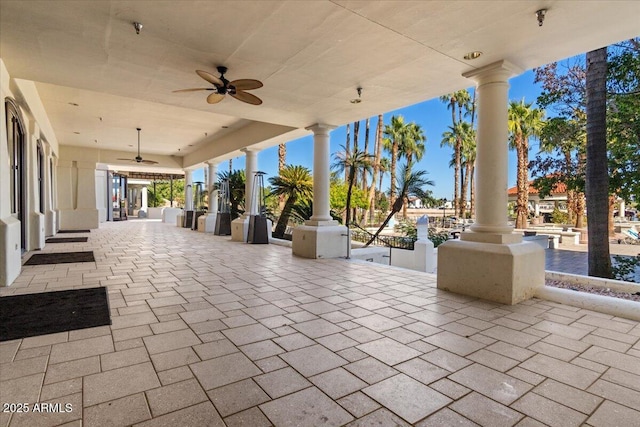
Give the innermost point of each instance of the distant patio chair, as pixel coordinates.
(631, 236)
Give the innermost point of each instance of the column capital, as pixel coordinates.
(248, 150)
(499, 71)
(321, 128)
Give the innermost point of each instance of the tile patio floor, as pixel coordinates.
(207, 332)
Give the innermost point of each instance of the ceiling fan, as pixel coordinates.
(138, 158)
(222, 86)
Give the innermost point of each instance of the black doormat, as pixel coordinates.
(60, 258)
(66, 239)
(23, 316)
(74, 231)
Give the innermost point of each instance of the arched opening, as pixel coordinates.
(17, 187)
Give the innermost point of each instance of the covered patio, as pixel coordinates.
(209, 332)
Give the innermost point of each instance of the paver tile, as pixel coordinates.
(313, 409)
(313, 360)
(119, 382)
(485, 412)
(407, 397)
(388, 351)
(282, 382)
(118, 413)
(548, 411)
(224, 370)
(496, 385)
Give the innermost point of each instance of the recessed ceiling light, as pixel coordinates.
(190, 145)
(225, 127)
(77, 133)
(473, 55)
(74, 104)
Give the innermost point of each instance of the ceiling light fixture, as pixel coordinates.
(77, 133)
(540, 14)
(74, 104)
(473, 55)
(138, 27)
(357, 100)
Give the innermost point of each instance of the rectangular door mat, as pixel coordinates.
(66, 239)
(60, 258)
(74, 231)
(29, 315)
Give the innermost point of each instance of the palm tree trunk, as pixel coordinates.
(394, 159)
(394, 210)
(612, 206)
(472, 197)
(456, 180)
(282, 160)
(580, 206)
(376, 169)
(347, 150)
(281, 226)
(465, 188)
(522, 204)
(597, 176)
(366, 150)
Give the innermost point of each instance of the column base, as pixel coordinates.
(50, 221)
(240, 229)
(320, 241)
(78, 219)
(207, 223)
(504, 273)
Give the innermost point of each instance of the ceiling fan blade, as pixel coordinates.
(214, 98)
(210, 78)
(246, 97)
(192, 90)
(246, 84)
(149, 162)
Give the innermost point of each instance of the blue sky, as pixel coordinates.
(434, 118)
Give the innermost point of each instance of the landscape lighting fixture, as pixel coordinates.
(357, 100)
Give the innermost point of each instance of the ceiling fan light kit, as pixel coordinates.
(222, 87)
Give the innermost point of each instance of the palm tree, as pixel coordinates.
(597, 175)
(295, 183)
(460, 100)
(410, 184)
(524, 122)
(412, 146)
(394, 133)
(355, 161)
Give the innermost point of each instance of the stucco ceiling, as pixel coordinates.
(310, 55)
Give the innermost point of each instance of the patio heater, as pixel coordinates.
(197, 204)
(258, 228)
(223, 219)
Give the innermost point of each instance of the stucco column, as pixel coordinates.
(622, 209)
(250, 168)
(213, 196)
(492, 152)
(490, 261)
(144, 202)
(321, 236)
(321, 173)
(188, 190)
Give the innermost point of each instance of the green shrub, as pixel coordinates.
(559, 217)
(624, 267)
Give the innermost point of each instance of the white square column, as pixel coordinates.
(321, 236)
(490, 261)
